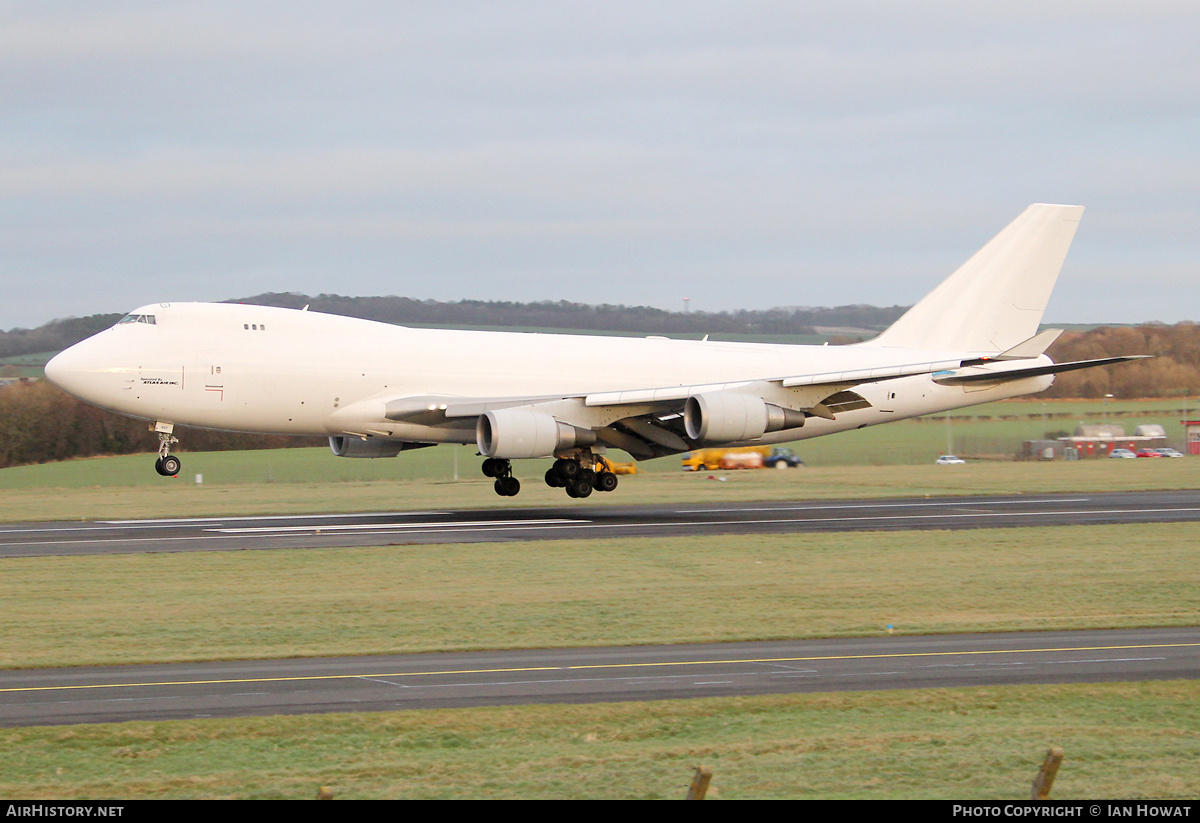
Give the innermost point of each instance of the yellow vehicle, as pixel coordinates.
(617, 468)
(703, 460)
(749, 457)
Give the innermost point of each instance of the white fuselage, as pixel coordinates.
(258, 369)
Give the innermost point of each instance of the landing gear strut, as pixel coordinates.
(167, 464)
(580, 475)
(506, 485)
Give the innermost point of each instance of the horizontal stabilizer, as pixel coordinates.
(1000, 375)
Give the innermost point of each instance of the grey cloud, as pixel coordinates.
(753, 154)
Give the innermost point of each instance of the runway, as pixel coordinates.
(243, 688)
(591, 521)
(387, 683)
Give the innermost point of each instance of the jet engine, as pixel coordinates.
(344, 446)
(729, 417)
(523, 432)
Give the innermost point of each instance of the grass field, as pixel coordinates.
(900, 457)
(307, 480)
(1122, 740)
(994, 431)
(62, 611)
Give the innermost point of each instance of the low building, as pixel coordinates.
(1191, 430)
(1098, 440)
(1048, 450)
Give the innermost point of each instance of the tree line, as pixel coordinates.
(1173, 371)
(40, 423)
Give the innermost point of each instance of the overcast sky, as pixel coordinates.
(740, 154)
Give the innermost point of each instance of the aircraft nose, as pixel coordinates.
(58, 370)
(73, 370)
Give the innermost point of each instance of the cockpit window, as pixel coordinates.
(137, 318)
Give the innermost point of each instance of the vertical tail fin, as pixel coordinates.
(996, 299)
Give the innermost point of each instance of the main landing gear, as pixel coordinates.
(506, 485)
(579, 476)
(580, 481)
(167, 464)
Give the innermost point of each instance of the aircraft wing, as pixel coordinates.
(654, 422)
(428, 407)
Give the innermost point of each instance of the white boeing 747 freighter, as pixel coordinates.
(376, 389)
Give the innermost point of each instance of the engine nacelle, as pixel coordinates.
(344, 446)
(522, 432)
(729, 417)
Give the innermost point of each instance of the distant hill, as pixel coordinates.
(53, 336)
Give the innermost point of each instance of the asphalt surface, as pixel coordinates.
(596, 520)
(385, 683)
(255, 687)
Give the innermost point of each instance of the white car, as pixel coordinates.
(1122, 453)
(1169, 452)
(949, 460)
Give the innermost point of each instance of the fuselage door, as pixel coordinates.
(212, 375)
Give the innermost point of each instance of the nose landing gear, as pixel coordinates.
(167, 464)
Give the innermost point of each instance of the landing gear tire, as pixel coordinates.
(567, 469)
(579, 488)
(554, 480)
(606, 482)
(507, 486)
(168, 466)
(496, 467)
